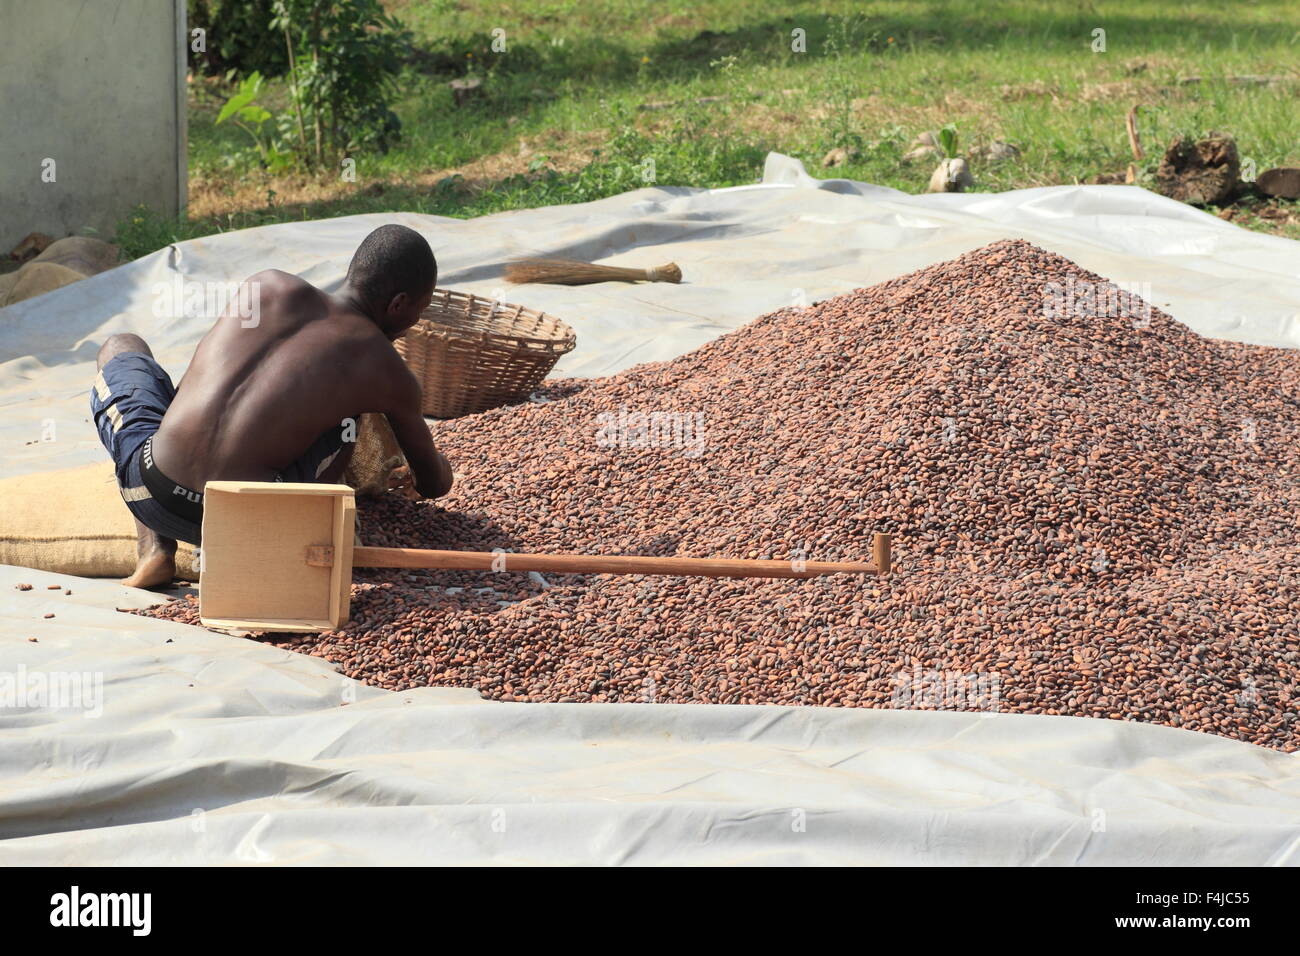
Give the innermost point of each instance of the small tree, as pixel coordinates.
(252, 118)
(344, 60)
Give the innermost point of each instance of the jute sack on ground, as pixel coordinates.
(33, 279)
(81, 254)
(73, 521)
(62, 263)
(376, 455)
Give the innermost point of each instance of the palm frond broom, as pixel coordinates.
(575, 272)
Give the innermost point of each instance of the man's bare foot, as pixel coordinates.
(155, 562)
(157, 569)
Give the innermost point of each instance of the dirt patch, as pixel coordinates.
(215, 197)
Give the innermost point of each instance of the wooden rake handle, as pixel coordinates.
(605, 564)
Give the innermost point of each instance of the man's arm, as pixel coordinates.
(431, 469)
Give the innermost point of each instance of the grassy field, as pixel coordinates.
(586, 97)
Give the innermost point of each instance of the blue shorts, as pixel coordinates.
(131, 394)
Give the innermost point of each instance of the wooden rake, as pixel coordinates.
(279, 557)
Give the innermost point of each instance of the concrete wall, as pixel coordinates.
(98, 86)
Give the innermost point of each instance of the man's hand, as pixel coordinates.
(436, 481)
(429, 470)
(402, 482)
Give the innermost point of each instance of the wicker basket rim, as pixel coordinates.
(503, 319)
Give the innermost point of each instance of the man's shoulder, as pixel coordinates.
(387, 376)
(278, 282)
(279, 277)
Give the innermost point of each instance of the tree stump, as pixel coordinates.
(1204, 172)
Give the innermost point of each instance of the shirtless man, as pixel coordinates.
(270, 395)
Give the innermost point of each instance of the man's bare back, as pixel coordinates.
(269, 394)
(259, 392)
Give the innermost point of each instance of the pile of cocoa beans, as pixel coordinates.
(1094, 513)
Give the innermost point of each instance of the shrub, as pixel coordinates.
(238, 36)
(344, 60)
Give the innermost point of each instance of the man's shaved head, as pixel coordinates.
(391, 261)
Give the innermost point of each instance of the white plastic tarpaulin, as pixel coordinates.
(199, 747)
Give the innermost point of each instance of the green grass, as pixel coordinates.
(575, 76)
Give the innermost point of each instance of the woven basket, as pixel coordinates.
(470, 354)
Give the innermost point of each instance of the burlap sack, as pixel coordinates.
(36, 278)
(73, 522)
(376, 455)
(63, 262)
(81, 254)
